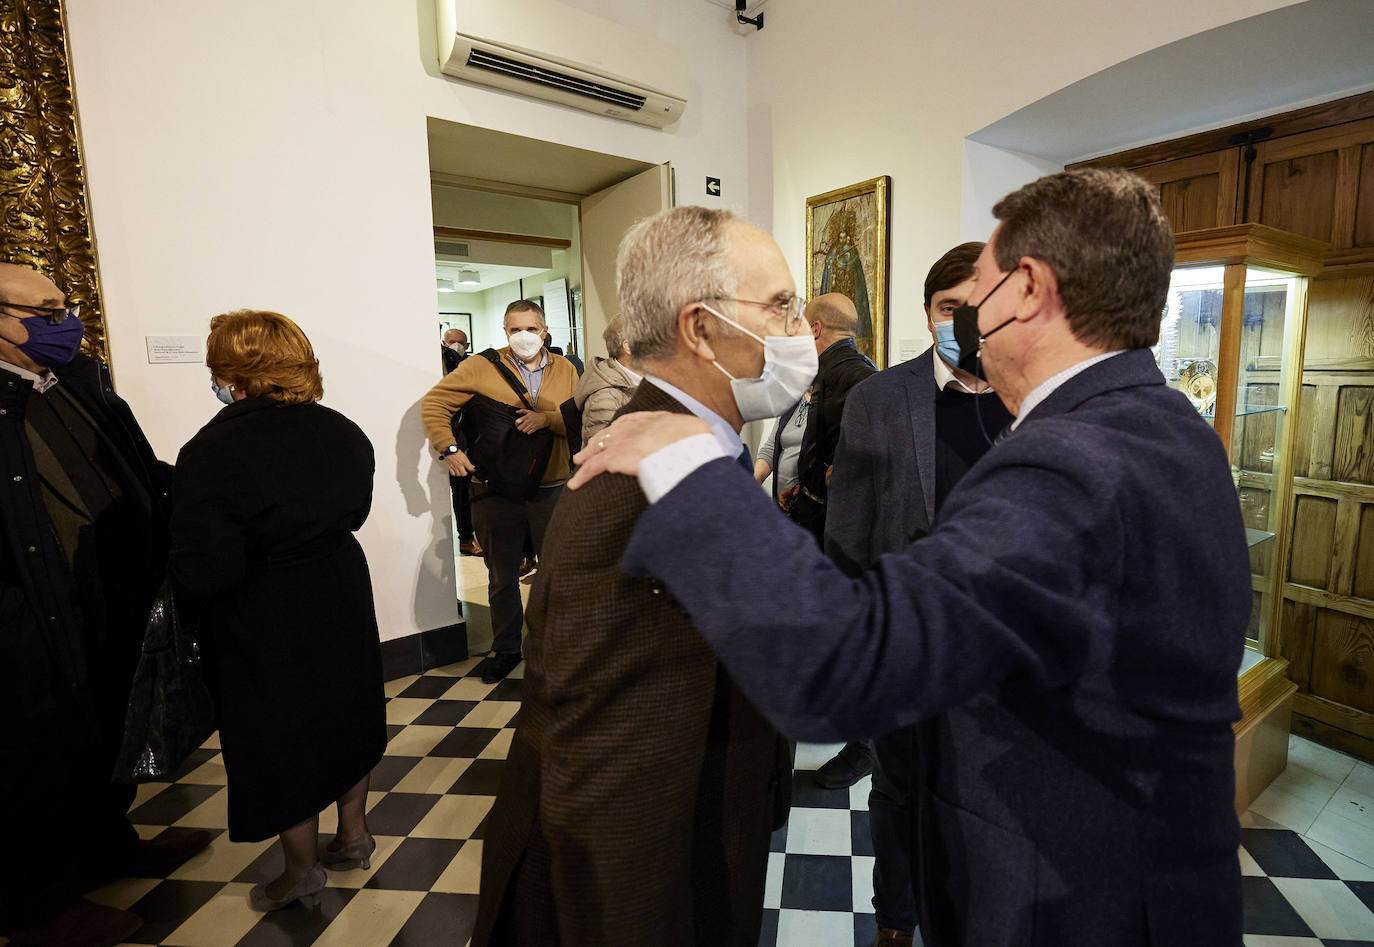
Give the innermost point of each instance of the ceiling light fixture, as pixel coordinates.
(445, 285)
(469, 278)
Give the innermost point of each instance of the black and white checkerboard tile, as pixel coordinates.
(430, 795)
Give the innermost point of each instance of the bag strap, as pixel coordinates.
(493, 356)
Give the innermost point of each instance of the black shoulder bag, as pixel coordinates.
(509, 461)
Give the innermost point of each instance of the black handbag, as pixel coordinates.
(170, 710)
(509, 461)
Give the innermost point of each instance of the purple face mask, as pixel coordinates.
(49, 344)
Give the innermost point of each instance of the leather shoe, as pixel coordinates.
(470, 548)
(497, 666)
(851, 764)
(84, 924)
(890, 937)
(527, 566)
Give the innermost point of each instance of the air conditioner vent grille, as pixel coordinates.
(483, 59)
(451, 249)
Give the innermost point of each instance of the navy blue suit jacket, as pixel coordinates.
(1071, 628)
(883, 488)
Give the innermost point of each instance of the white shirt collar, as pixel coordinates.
(41, 383)
(629, 373)
(944, 377)
(725, 435)
(1047, 387)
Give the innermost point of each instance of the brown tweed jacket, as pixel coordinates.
(642, 787)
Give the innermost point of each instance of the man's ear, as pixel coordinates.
(695, 331)
(1040, 290)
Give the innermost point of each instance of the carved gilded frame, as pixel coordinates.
(44, 217)
(848, 234)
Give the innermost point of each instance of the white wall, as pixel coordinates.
(843, 92)
(272, 153)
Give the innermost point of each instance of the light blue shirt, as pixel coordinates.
(1046, 388)
(533, 377)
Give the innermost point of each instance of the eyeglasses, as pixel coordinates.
(55, 315)
(790, 312)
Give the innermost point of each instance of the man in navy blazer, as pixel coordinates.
(908, 436)
(1069, 631)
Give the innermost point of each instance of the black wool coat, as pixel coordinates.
(266, 498)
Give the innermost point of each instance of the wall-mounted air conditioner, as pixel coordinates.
(552, 51)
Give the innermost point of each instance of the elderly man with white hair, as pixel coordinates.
(642, 787)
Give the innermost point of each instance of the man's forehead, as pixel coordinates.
(20, 284)
(758, 258)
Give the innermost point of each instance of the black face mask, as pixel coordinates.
(966, 330)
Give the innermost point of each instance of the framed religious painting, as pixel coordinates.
(846, 252)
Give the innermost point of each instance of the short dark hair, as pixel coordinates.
(525, 305)
(1105, 236)
(952, 268)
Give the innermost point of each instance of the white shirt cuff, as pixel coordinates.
(668, 466)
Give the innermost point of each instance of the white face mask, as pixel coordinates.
(459, 347)
(789, 366)
(526, 343)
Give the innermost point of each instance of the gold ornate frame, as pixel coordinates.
(874, 253)
(44, 222)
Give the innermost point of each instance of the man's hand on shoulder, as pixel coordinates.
(630, 438)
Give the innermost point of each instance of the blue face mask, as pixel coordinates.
(946, 344)
(49, 344)
(222, 392)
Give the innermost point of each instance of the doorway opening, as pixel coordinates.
(517, 218)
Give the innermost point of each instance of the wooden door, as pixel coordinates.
(1327, 631)
(1320, 184)
(604, 218)
(1197, 192)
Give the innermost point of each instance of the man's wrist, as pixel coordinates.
(668, 466)
(448, 451)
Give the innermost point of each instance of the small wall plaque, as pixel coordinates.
(166, 349)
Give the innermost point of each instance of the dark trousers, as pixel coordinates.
(891, 815)
(462, 506)
(501, 525)
(63, 813)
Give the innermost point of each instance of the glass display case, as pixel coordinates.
(1231, 340)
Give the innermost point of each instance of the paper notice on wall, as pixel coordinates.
(166, 349)
(907, 349)
(556, 303)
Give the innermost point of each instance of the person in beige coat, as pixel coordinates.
(608, 384)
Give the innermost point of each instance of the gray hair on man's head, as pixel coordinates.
(666, 261)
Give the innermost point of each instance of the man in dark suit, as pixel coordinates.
(642, 787)
(83, 549)
(1069, 631)
(908, 436)
(840, 367)
(454, 349)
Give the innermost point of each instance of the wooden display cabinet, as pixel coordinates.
(1232, 340)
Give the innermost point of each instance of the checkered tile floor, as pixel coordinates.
(449, 738)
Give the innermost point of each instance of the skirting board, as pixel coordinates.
(1262, 734)
(417, 653)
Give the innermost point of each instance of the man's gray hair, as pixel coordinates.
(666, 261)
(527, 305)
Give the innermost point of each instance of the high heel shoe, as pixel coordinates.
(341, 858)
(307, 892)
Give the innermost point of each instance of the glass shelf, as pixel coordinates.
(1253, 537)
(1246, 409)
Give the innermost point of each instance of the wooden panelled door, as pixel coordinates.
(1327, 633)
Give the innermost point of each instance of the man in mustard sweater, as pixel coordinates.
(501, 523)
